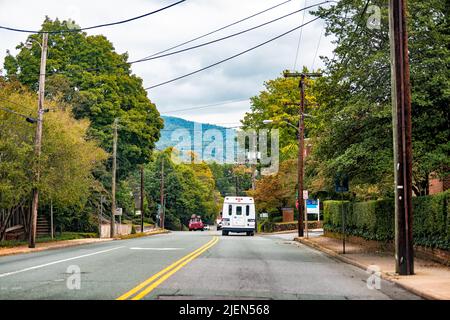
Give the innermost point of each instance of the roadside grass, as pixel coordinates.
(58, 237)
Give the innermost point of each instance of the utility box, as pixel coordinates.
(288, 214)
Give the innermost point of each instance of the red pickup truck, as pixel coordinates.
(196, 223)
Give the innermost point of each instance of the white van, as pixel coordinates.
(238, 215)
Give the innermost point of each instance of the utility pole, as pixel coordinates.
(51, 219)
(100, 216)
(162, 213)
(401, 120)
(142, 198)
(113, 185)
(38, 142)
(301, 143)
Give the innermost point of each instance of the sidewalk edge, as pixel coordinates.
(74, 244)
(66, 245)
(384, 275)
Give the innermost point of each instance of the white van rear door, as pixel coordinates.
(238, 219)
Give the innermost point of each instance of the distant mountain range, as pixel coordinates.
(200, 135)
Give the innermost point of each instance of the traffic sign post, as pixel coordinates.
(341, 186)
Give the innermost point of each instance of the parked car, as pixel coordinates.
(219, 223)
(195, 223)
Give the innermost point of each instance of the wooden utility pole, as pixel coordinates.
(142, 198)
(51, 219)
(161, 214)
(113, 185)
(38, 142)
(301, 144)
(100, 216)
(401, 120)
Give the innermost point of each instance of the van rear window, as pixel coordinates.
(230, 209)
(247, 210)
(238, 210)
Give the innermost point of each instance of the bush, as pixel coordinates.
(133, 229)
(375, 220)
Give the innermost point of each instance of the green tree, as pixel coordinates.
(68, 156)
(353, 124)
(86, 72)
(188, 188)
(279, 102)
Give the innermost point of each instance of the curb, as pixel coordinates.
(384, 275)
(73, 244)
(277, 232)
(61, 246)
(145, 234)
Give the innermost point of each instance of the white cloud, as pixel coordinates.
(240, 78)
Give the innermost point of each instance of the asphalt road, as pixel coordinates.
(188, 265)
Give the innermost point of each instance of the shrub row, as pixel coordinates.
(374, 220)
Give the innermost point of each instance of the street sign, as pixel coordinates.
(305, 194)
(264, 215)
(118, 212)
(312, 206)
(137, 199)
(341, 182)
(138, 212)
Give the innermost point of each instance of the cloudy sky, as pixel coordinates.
(231, 82)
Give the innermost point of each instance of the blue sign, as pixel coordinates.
(312, 206)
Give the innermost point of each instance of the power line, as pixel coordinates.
(232, 57)
(344, 63)
(226, 37)
(207, 106)
(27, 118)
(299, 40)
(153, 57)
(96, 26)
(217, 30)
(317, 50)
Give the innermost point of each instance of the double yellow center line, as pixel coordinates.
(151, 283)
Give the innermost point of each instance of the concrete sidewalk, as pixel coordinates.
(430, 281)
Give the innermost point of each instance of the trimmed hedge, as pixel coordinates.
(374, 220)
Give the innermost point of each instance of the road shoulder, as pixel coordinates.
(43, 246)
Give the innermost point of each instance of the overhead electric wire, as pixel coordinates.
(317, 50)
(201, 44)
(206, 106)
(217, 30)
(299, 40)
(226, 37)
(232, 57)
(344, 63)
(96, 26)
(17, 113)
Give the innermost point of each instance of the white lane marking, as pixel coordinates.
(58, 261)
(155, 249)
